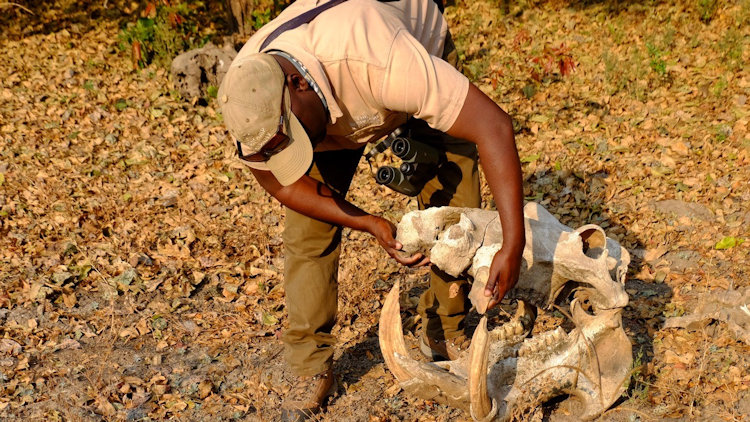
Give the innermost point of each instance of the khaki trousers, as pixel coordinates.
(312, 254)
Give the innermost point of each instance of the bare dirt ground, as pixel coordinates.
(140, 264)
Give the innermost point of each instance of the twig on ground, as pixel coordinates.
(10, 4)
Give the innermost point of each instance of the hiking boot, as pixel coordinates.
(308, 396)
(449, 349)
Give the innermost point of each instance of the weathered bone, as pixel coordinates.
(590, 364)
(505, 372)
(460, 239)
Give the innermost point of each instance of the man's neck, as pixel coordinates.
(305, 74)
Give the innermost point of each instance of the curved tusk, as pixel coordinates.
(481, 405)
(390, 335)
(490, 416)
(426, 380)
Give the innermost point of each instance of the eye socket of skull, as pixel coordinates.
(594, 242)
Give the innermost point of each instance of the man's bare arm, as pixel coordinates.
(309, 197)
(484, 123)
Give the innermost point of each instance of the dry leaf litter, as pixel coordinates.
(141, 265)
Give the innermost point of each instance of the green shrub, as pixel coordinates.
(161, 33)
(707, 9)
(656, 61)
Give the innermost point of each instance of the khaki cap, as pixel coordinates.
(250, 100)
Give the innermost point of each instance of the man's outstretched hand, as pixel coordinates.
(385, 232)
(504, 271)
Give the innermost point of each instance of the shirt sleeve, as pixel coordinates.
(422, 85)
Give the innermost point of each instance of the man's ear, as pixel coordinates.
(297, 82)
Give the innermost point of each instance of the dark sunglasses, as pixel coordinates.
(275, 145)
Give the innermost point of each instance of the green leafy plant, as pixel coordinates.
(719, 86)
(707, 9)
(731, 47)
(729, 242)
(656, 61)
(637, 385)
(261, 17)
(162, 32)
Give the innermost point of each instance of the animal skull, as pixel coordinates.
(504, 371)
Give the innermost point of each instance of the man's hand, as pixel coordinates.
(384, 231)
(309, 197)
(504, 271)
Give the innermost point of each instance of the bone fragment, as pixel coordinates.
(456, 246)
(728, 306)
(431, 382)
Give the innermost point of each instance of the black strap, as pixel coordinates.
(308, 16)
(299, 20)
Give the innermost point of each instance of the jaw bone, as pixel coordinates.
(591, 364)
(503, 371)
(498, 378)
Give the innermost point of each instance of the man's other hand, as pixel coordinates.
(504, 272)
(385, 232)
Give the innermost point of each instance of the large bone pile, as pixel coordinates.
(505, 370)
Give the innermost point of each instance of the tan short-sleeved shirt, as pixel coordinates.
(376, 64)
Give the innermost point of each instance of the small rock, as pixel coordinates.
(169, 199)
(193, 72)
(68, 343)
(144, 259)
(126, 278)
(136, 414)
(190, 326)
(270, 219)
(683, 209)
(10, 347)
(61, 277)
(679, 261)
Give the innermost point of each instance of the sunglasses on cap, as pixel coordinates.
(275, 145)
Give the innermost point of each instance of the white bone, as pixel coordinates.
(554, 253)
(591, 363)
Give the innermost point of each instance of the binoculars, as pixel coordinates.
(419, 164)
